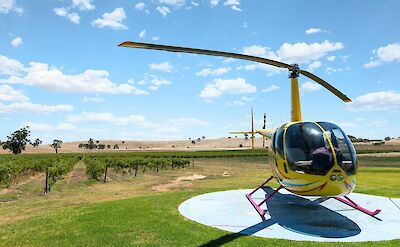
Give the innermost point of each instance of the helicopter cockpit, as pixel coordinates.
(309, 148)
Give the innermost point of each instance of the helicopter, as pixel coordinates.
(309, 158)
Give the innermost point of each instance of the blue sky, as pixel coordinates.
(62, 73)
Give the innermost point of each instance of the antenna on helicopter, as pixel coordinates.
(264, 127)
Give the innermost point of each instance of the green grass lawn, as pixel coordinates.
(127, 211)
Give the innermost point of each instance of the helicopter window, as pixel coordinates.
(344, 149)
(279, 140)
(307, 149)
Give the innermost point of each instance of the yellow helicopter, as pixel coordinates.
(310, 158)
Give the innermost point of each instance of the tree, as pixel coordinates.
(37, 142)
(56, 144)
(17, 141)
(91, 143)
(246, 136)
(387, 138)
(203, 137)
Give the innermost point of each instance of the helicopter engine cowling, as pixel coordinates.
(314, 158)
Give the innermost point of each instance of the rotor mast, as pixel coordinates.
(294, 72)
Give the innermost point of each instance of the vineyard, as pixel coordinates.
(97, 165)
(14, 166)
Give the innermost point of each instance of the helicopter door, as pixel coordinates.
(344, 149)
(307, 149)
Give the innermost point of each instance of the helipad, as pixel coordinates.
(296, 218)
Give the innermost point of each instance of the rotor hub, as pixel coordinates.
(294, 71)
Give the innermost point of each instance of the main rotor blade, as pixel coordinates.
(204, 52)
(326, 85)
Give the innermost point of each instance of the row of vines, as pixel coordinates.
(97, 166)
(14, 166)
(55, 166)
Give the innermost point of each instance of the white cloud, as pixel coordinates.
(195, 4)
(21, 103)
(39, 127)
(305, 53)
(53, 79)
(6, 6)
(213, 72)
(309, 87)
(34, 108)
(66, 127)
(140, 6)
(10, 67)
(92, 99)
(377, 101)
(49, 128)
(231, 86)
(163, 10)
(261, 51)
(270, 89)
(113, 20)
(142, 34)
(83, 4)
(236, 8)
(301, 53)
(241, 102)
(385, 54)
(155, 38)
(16, 42)
(331, 58)
(313, 30)
(11, 95)
(314, 65)
(175, 3)
(257, 50)
(234, 4)
(93, 117)
(331, 70)
(73, 17)
(174, 125)
(155, 83)
(165, 66)
(9, 5)
(214, 2)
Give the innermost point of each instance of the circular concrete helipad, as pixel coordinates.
(296, 218)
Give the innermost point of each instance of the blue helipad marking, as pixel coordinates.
(295, 218)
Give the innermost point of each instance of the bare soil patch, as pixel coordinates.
(183, 181)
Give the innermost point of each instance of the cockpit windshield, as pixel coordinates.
(307, 149)
(344, 149)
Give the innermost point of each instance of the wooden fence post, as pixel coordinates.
(105, 174)
(46, 189)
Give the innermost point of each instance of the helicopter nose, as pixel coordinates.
(338, 183)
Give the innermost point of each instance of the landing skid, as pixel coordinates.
(345, 200)
(354, 205)
(256, 206)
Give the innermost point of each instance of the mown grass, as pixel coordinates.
(127, 212)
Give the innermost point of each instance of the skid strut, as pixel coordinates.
(354, 205)
(261, 211)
